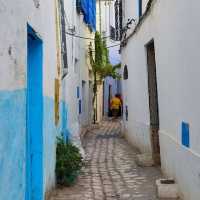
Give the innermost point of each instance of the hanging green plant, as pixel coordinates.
(100, 63)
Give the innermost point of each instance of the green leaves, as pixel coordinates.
(100, 60)
(68, 162)
(99, 51)
(101, 67)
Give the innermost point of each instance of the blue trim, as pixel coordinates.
(51, 131)
(185, 134)
(13, 135)
(12, 144)
(78, 92)
(34, 140)
(65, 132)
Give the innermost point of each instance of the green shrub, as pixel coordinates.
(68, 163)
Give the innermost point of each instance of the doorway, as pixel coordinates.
(153, 101)
(34, 138)
(109, 100)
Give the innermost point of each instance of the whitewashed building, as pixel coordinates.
(44, 86)
(160, 55)
(79, 78)
(28, 73)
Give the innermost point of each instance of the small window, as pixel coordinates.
(118, 20)
(125, 72)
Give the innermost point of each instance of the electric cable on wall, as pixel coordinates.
(82, 37)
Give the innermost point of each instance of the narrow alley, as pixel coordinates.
(99, 100)
(111, 171)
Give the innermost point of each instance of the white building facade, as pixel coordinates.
(42, 66)
(28, 73)
(78, 80)
(160, 56)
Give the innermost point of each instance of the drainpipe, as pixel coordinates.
(100, 16)
(140, 7)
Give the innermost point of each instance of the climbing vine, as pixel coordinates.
(101, 66)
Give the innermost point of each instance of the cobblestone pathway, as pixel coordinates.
(111, 172)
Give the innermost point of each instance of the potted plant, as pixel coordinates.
(68, 163)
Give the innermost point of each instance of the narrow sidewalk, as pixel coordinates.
(111, 172)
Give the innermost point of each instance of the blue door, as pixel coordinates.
(34, 140)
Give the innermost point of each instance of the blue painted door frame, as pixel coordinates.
(34, 140)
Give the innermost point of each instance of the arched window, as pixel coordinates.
(125, 72)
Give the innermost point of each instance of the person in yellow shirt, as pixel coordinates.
(115, 105)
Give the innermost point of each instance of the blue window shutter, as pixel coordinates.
(88, 8)
(78, 92)
(185, 134)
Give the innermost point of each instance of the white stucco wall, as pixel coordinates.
(78, 69)
(176, 37)
(136, 96)
(13, 78)
(71, 79)
(129, 11)
(13, 30)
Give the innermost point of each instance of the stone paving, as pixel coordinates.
(111, 172)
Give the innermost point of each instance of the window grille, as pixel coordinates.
(125, 75)
(78, 6)
(63, 35)
(112, 33)
(118, 19)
